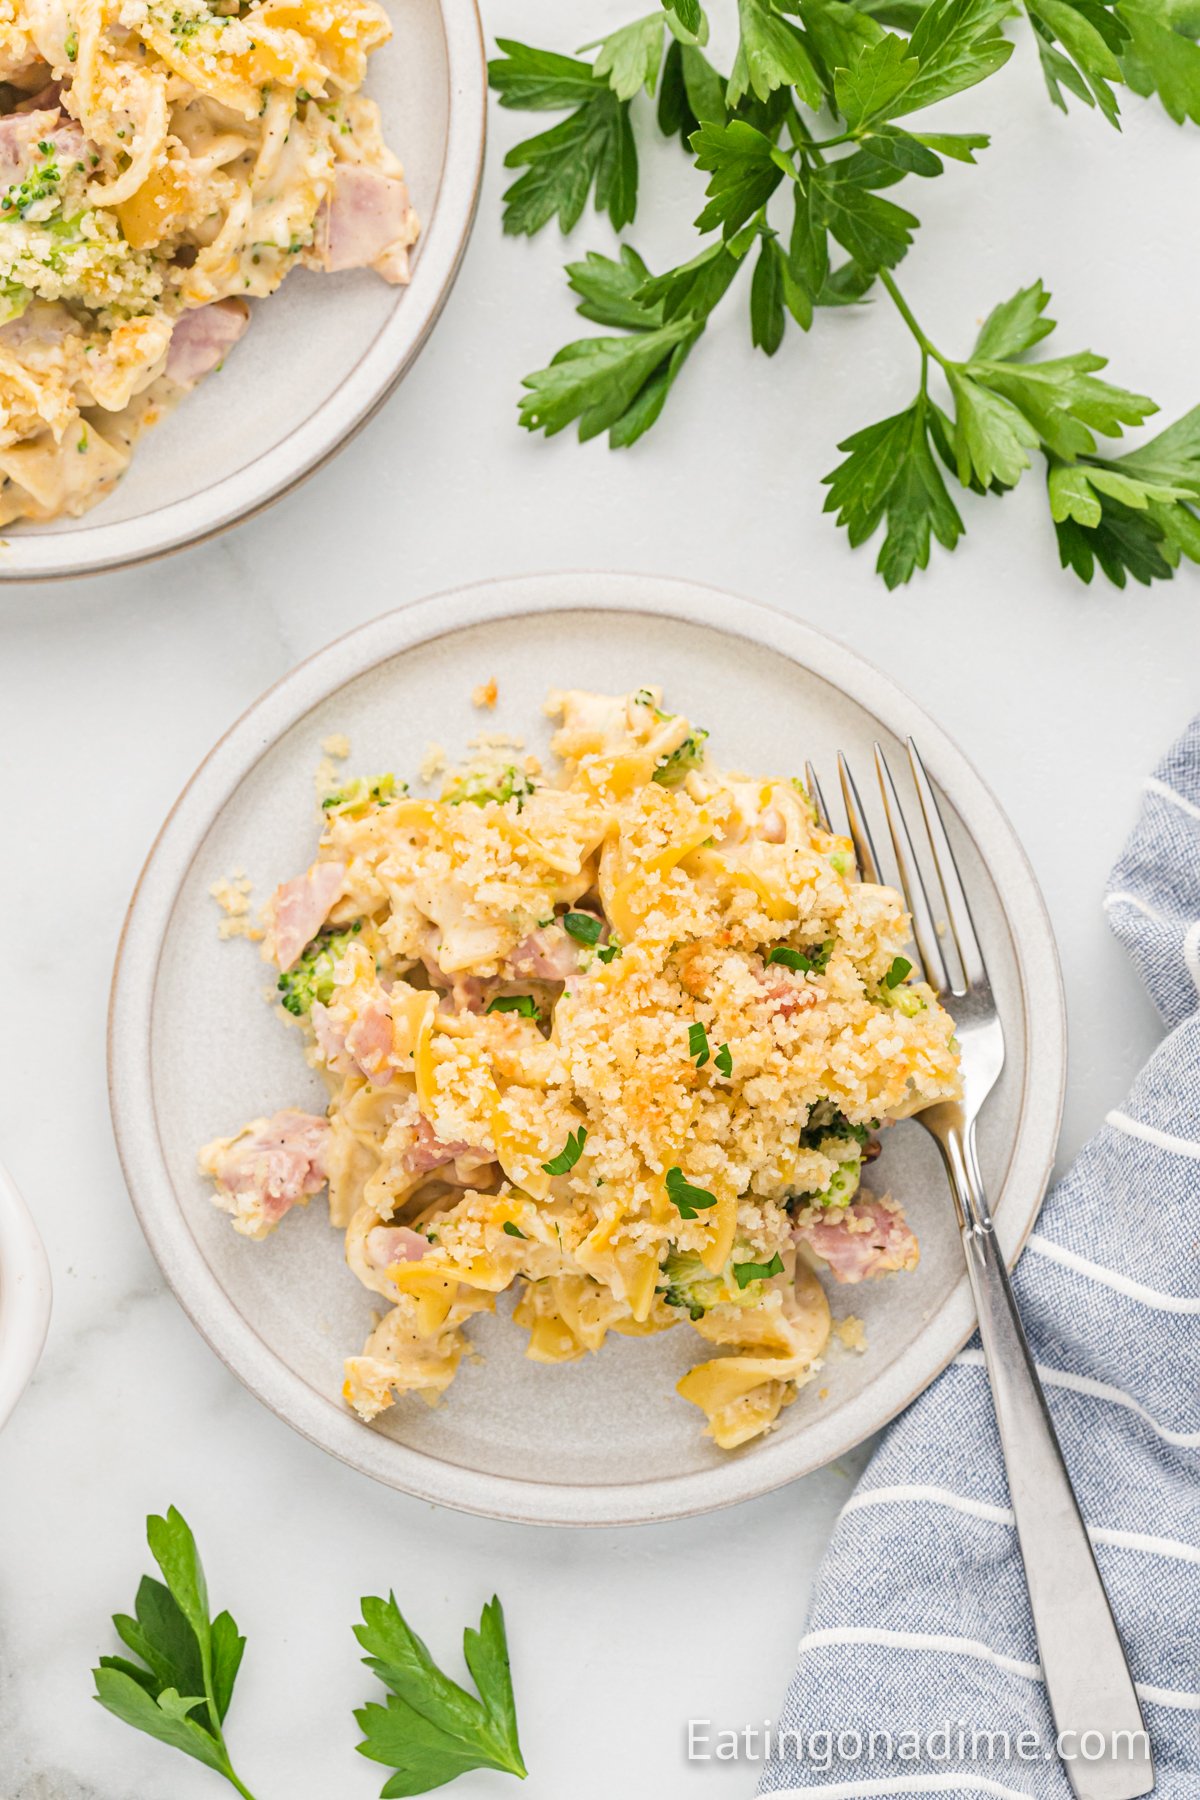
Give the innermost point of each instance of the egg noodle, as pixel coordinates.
(617, 1039)
(162, 161)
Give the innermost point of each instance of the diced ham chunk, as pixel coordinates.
(270, 1165)
(788, 993)
(368, 222)
(547, 954)
(203, 338)
(298, 909)
(869, 1237)
(427, 1151)
(371, 1042)
(390, 1244)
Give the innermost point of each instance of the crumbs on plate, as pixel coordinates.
(484, 696)
(232, 895)
(851, 1332)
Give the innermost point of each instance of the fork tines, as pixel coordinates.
(935, 966)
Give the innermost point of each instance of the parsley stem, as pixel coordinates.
(233, 1781)
(906, 313)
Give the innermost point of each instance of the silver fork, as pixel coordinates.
(1088, 1683)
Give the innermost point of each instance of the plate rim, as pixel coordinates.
(97, 549)
(160, 1210)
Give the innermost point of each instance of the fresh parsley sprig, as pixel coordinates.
(179, 1689)
(1133, 515)
(762, 136)
(429, 1729)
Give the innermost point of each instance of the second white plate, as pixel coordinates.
(195, 1051)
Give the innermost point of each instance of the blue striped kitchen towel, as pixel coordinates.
(920, 1620)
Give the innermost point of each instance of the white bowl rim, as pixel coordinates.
(92, 549)
(131, 1090)
(25, 1293)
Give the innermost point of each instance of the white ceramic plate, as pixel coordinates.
(323, 353)
(195, 1051)
(24, 1295)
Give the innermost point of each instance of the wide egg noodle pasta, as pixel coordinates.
(163, 162)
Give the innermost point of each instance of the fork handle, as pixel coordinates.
(1087, 1677)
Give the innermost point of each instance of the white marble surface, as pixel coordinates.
(113, 690)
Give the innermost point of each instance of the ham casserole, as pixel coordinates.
(616, 1038)
(162, 162)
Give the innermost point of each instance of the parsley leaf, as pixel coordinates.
(592, 148)
(901, 967)
(746, 1272)
(524, 1004)
(569, 1155)
(514, 1230)
(607, 952)
(180, 1689)
(630, 58)
(690, 92)
(771, 54)
(1160, 56)
(698, 1043)
(688, 15)
(890, 473)
(746, 168)
(620, 385)
(585, 928)
(430, 1730)
(791, 959)
(1078, 43)
(1133, 515)
(723, 1061)
(687, 1199)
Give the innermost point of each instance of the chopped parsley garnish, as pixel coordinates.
(687, 1199)
(814, 960)
(746, 1272)
(585, 928)
(723, 1061)
(514, 1230)
(698, 1043)
(525, 1004)
(608, 951)
(900, 968)
(569, 1155)
(791, 959)
(71, 44)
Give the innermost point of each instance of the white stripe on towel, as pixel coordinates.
(944, 1644)
(1154, 786)
(1100, 1390)
(1002, 1515)
(1191, 952)
(920, 1640)
(1119, 896)
(1123, 1284)
(1150, 1134)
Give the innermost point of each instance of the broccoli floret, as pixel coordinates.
(312, 977)
(380, 790)
(689, 755)
(825, 1121)
(687, 1283)
(492, 788)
